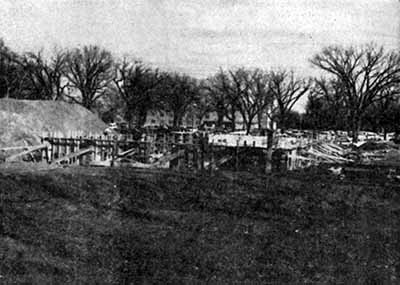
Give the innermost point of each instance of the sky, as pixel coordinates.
(199, 36)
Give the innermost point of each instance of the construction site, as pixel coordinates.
(81, 205)
(52, 133)
(200, 142)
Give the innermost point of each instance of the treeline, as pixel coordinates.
(360, 89)
(92, 77)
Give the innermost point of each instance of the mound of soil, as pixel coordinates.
(24, 121)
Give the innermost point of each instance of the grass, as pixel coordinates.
(125, 226)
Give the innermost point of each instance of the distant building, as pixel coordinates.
(211, 120)
(158, 118)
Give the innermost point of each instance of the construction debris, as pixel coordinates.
(196, 150)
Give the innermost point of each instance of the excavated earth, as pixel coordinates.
(129, 226)
(24, 121)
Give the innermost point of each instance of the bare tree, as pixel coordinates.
(285, 90)
(367, 73)
(203, 104)
(241, 90)
(45, 79)
(180, 91)
(330, 93)
(90, 71)
(383, 114)
(217, 98)
(138, 86)
(252, 87)
(11, 74)
(222, 99)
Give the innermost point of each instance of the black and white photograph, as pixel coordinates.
(199, 142)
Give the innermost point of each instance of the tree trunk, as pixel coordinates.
(128, 118)
(220, 119)
(259, 121)
(280, 125)
(248, 127)
(86, 101)
(177, 122)
(141, 118)
(355, 128)
(233, 121)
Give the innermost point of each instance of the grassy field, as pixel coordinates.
(126, 226)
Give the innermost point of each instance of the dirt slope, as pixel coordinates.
(24, 121)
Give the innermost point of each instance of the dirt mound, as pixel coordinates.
(24, 121)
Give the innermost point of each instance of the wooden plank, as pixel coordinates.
(167, 158)
(327, 156)
(127, 152)
(73, 155)
(303, 158)
(224, 160)
(328, 150)
(389, 163)
(14, 148)
(29, 150)
(107, 162)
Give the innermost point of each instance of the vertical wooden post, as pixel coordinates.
(101, 150)
(237, 156)
(50, 150)
(268, 159)
(81, 158)
(110, 149)
(202, 149)
(71, 145)
(63, 146)
(57, 146)
(114, 150)
(146, 150)
(53, 148)
(48, 158)
(212, 158)
(93, 142)
(68, 146)
(78, 147)
(43, 151)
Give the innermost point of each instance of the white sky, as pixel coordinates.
(198, 36)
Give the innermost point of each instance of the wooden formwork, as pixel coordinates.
(102, 150)
(178, 150)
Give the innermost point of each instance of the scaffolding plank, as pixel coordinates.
(73, 155)
(167, 158)
(28, 151)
